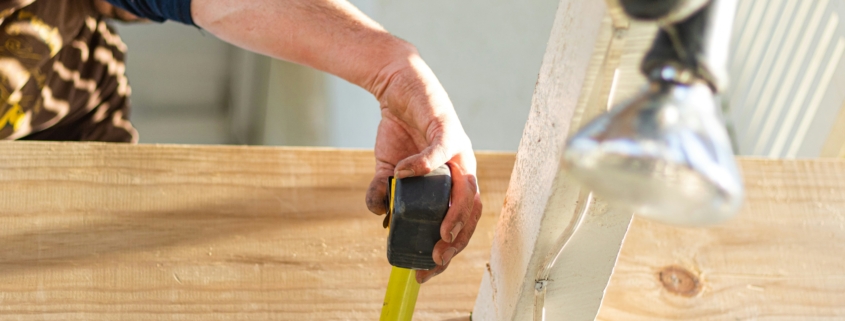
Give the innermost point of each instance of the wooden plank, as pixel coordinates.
(780, 259)
(542, 201)
(617, 14)
(613, 75)
(524, 230)
(121, 232)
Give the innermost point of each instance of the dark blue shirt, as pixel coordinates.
(158, 10)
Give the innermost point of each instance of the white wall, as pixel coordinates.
(486, 54)
(180, 83)
(787, 76)
(189, 87)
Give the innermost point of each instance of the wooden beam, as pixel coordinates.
(781, 258)
(122, 232)
(542, 201)
(583, 56)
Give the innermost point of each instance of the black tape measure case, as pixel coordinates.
(416, 208)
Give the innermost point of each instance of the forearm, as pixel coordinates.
(328, 35)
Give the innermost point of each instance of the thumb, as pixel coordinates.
(426, 161)
(377, 192)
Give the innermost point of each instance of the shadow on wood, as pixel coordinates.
(122, 232)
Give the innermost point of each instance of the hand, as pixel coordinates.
(418, 132)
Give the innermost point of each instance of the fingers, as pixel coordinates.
(464, 192)
(444, 251)
(461, 218)
(425, 275)
(377, 192)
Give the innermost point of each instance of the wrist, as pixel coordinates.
(408, 89)
(396, 59)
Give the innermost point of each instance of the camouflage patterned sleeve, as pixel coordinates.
(62, 74)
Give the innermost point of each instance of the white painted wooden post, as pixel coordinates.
(541, 201)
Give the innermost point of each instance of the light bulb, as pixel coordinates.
(664, 154)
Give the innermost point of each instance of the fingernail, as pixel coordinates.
(447, 256)
(405, 173)
(455, 230)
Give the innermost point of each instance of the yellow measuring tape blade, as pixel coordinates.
(390, 201)
(401, 295)
(402, 288)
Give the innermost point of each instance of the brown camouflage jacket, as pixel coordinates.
(62, 73)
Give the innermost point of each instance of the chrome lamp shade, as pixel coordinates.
(665, 154)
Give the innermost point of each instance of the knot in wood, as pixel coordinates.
(680, 281)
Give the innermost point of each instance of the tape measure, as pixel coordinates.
(416, 208)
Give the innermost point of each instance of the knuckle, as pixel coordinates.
(425, 167)
(473, 185)
(443, 153)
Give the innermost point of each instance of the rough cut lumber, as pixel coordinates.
(582, 57)
(780, 259)
(120, 232)
(539, 202)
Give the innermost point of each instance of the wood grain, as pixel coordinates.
(119, 232)
(617, 54)
(780, 259)
(540, 201)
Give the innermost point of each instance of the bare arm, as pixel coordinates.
(328, 35)
(419, 130)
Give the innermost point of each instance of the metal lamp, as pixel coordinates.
(665, 154)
